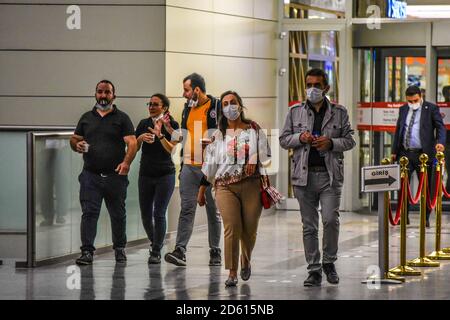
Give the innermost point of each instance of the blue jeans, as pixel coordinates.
(190, 178)
(154, 197)
(93, 189)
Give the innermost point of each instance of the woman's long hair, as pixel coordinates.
(223, 121)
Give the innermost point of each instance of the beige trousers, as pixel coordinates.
(240, 206)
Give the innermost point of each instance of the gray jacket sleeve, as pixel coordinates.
(289, 139)
(346, 141)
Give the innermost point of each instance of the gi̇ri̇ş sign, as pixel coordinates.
(380, 178)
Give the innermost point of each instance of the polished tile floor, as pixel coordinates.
(278, 268)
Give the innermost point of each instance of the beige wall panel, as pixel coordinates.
(233, 74)
(189, 31)
(206, 5)
(179, 65)
(102, 28)
(39, 111)
(249, 77)
(176, 108)
(76, 73)
(264, 39)
(441, 36)
(69, 2)
(265, 9)
(234, 7)
(233, 36)
(261, 110)
(264, 78)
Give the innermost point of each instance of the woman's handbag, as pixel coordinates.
(269, 195)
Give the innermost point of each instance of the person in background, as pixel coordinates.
(157, 171)
(446, 94)
(419, 129)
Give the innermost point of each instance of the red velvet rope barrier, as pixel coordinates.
(396, 220)
(432, 204)
(419, 190)
(444, 191)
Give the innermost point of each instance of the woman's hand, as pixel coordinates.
(157, 128)
(147, 137)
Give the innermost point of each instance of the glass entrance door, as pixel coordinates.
(385, 73)
(311, 49)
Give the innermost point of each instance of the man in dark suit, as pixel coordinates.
(420, 129)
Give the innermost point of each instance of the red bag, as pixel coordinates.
(265, 199)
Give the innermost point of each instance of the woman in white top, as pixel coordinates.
(232, 164)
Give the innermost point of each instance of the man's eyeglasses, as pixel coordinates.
(154, 104)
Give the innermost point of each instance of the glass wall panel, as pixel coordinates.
(13, 194)
(58, 211)
(314, 9)
(312, 49)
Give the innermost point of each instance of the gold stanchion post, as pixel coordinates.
(446, 250)
(422, 260)
(387, 273)
(438, 254)
(384, 276)
(403, 269)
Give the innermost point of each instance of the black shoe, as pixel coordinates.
(120, 255)
(427, 223)
(231, 282)
(214, 257)
(176, 257)
(154, 258)
(86, 258)
(330, 271)
(246, 273)
(314, 279)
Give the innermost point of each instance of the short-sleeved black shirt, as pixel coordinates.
(155, 160)
(105, 138)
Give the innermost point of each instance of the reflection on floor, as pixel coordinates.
(278, 269)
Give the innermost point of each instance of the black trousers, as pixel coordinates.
(95, 188)
(414, 166)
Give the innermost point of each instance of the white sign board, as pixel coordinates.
(380, 178)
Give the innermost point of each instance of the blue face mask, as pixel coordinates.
(314, 95)
(231, 112)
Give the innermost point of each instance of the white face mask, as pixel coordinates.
(103, 105)
(193, 103)
(314, 95)
(415, 106)
(231, 112)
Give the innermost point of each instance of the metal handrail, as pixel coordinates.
(31, 128)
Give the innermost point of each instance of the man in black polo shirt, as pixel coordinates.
(101, 135)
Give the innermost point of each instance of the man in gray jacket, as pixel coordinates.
(319, 132)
